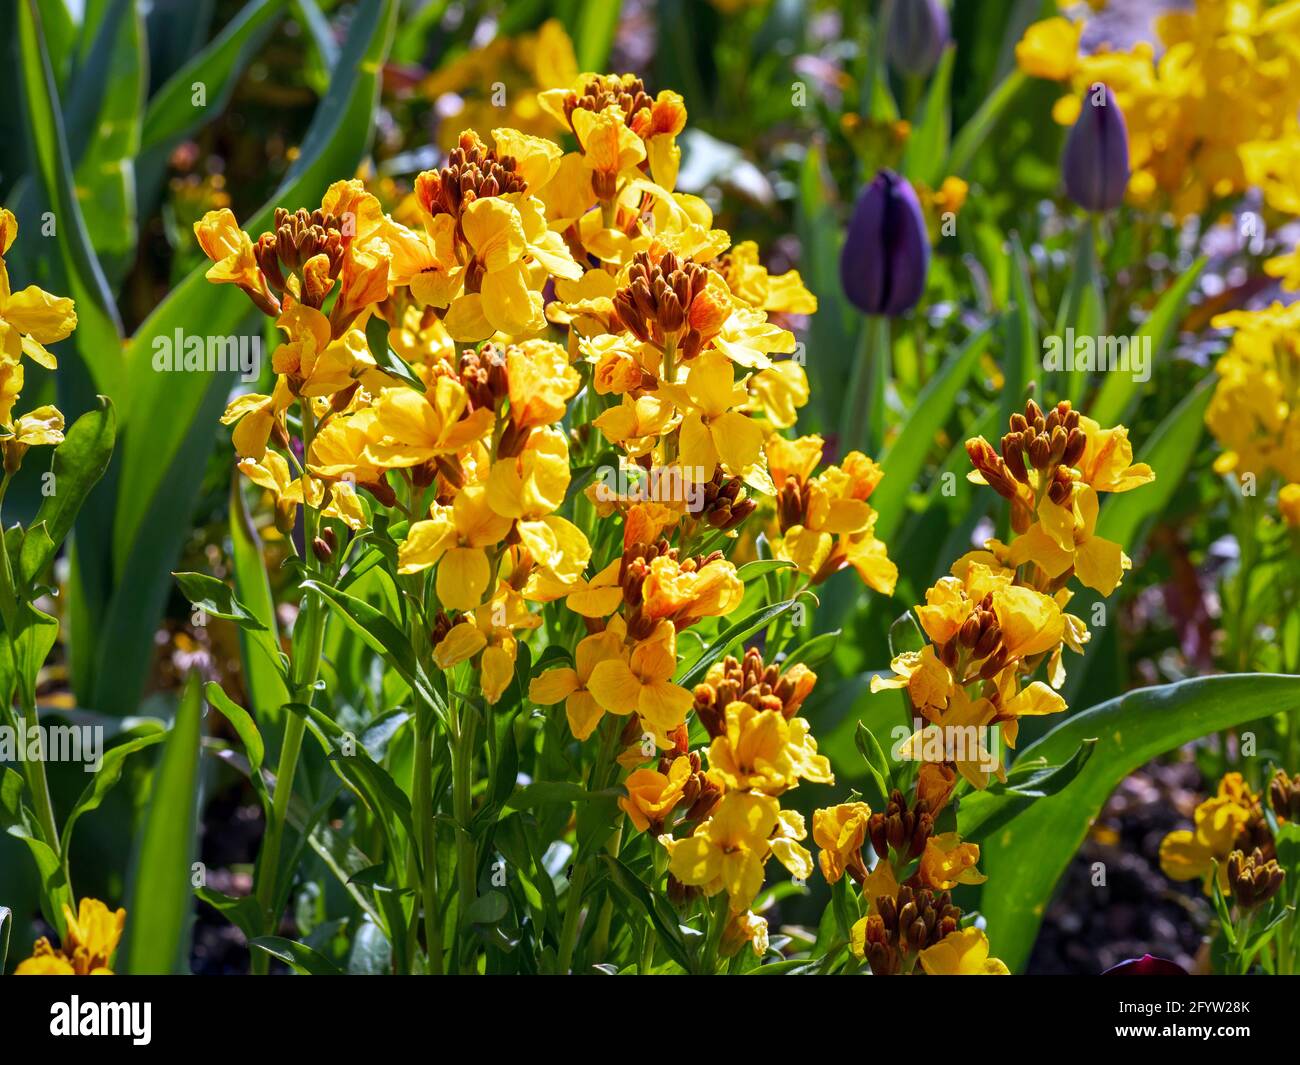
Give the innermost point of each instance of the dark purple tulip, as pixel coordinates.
(918, 34)
(1095, 164)
(886, 250)
(1147, 965)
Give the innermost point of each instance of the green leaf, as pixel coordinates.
(737, 633)
(217, 598)
(976, 131)
(103, 117)
(545, 792)
(905, 635)
(597, 24)
(161, 903)
(661, 914)
(373, 628)
(902, 463)
(172, 113)
(98, 337)
(261, 656)
(243, 912)
(298, 956)
(879, 780)
(1119, 389)
(109, 773)
(1132, 730)
(6, 925)
(927, 146)
(246, 729)
(78, 464)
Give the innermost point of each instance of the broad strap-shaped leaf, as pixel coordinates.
(98, 336)
(1117, 393)
(161, 906)
(1025, 856)
(903, 462)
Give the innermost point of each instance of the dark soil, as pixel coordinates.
(1138, 910)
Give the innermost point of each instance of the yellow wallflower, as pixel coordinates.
(643, 684)
(570, 684)
(761, 750)
(962, 953)
(728, 851)
(88, 945)
(652, 795)
(947, 862)
(1218, 822)
(840, 832)
(457, 540)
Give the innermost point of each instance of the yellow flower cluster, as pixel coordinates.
(910, 917)
(1000, 613)
(1223, 57)
(733, 821)
(553, 307)
(92, 936)
(1232, 847)
(29, 320)
(1255, 410)
(990, 625)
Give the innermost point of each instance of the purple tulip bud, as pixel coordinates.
(1147, 965)
(886, 250)
(1095, 164)
(918, 34)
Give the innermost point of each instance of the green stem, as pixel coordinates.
(462, 774)
(864, 409)
(718, 917)
(304, 670)
(33, 769)
(422, 796)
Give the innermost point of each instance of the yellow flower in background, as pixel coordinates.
(88, 945)
(1288, 504)
(1049, 49)
(1255, 410)
(962, 953)
(521, 64)
(1218, 822)
(1213, 59)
